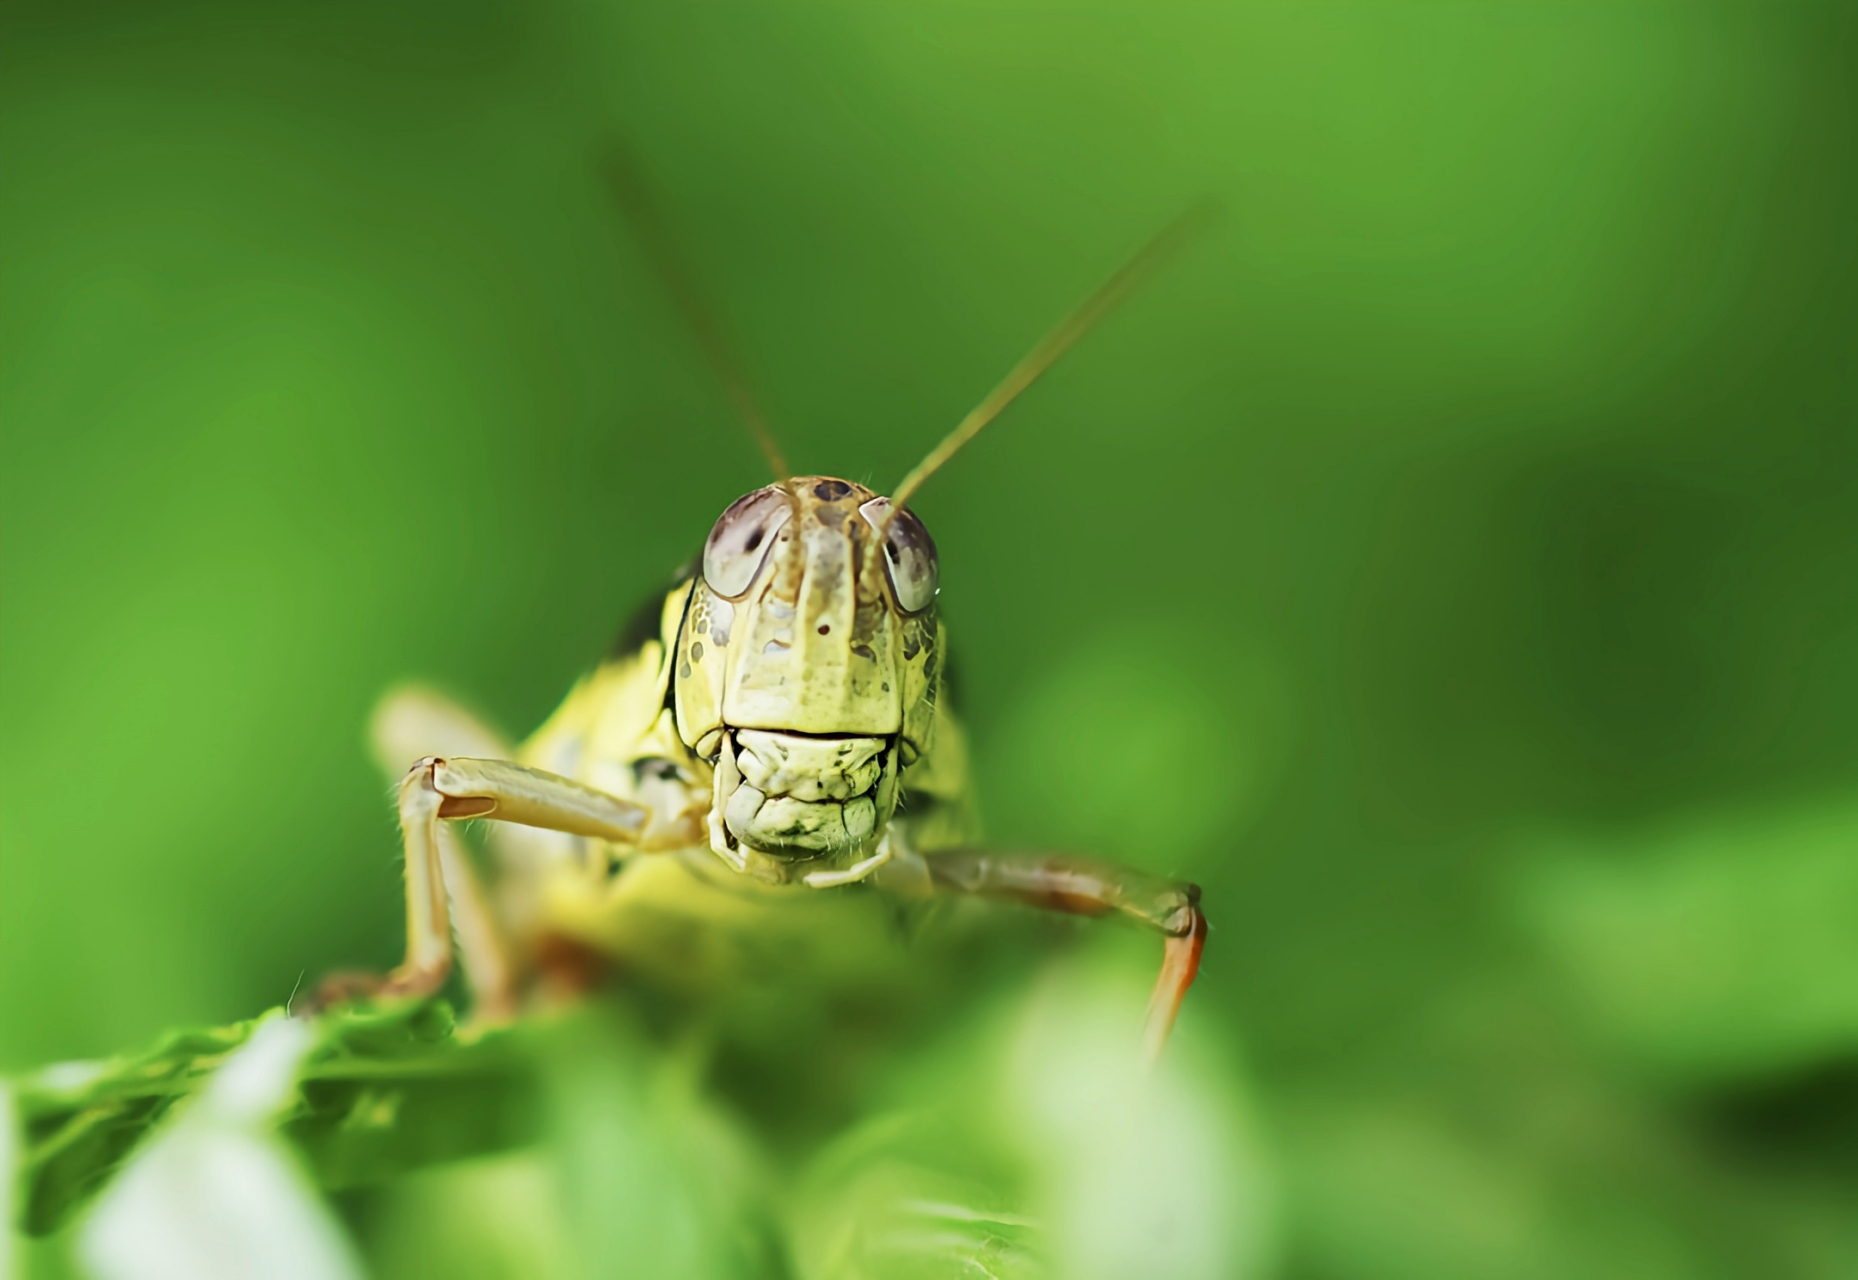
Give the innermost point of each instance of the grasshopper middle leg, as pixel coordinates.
(1082, 886)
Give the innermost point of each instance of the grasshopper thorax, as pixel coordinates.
(805, 669)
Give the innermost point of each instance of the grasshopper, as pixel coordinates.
(772, 726)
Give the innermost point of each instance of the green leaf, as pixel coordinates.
(897, 1198)
(387, 1089)
(1035, 1142)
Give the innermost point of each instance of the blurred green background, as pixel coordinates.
(1449, 563)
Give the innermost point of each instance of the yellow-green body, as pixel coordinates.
(719, 797)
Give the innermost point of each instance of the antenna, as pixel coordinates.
(627, 178)
(1054, 344)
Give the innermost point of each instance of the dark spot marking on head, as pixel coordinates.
(886, 686)
(831, 490)
(825, 629)
(696, 652)
(754, 539)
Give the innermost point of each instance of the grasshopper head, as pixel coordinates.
(806, 670)
(806, 659)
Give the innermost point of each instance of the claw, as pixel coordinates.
(1180, 961)
(355, 985)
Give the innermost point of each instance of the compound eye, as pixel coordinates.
(739, 543)
(909, 555)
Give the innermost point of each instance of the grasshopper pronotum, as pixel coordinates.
(773, 723)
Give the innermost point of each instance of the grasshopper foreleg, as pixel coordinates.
(411, 722)
(1082, 886)
(438, 875)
